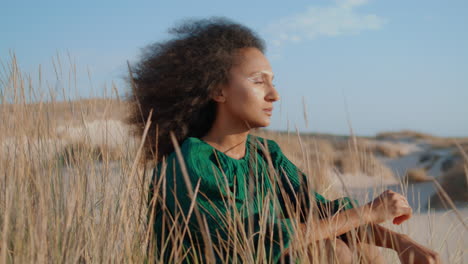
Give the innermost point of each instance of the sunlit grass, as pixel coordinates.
(72, 189)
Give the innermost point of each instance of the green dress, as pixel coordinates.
(258, 194)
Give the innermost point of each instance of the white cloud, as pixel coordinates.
(339, 19)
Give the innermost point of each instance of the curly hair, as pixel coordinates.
(176, 78)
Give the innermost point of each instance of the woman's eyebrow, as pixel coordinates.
(263, 72)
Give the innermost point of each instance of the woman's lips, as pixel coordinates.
(268, 111)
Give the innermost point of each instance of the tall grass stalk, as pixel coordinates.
(72, 189)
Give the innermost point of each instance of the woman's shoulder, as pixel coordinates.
(271, 144)
(266, 144)
(192, 150)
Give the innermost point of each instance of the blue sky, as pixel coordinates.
(385, 65)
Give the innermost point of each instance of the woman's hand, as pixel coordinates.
(411, 252)
(390, 205)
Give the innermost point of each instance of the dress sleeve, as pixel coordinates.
(297, 192)
(213, 203)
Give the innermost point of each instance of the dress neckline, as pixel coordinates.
(247, 150)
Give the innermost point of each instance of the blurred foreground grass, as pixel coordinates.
(72, 191)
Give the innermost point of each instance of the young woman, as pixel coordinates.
(219, 193)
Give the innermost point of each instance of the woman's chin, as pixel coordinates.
(264, 123)
(259, 123)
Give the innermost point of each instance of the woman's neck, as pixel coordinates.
(231, 143)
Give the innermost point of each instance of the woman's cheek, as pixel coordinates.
(257, 93)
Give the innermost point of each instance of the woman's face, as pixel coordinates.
(248, 97)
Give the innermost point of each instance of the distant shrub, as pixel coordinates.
(80, 152)
(417, 175)
(351, 162)
(404, 134)
(454, 182)
(386, 151)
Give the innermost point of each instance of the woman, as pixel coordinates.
(225, 194)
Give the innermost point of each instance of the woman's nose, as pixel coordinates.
(273, 94)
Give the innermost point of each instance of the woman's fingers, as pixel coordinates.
(391, 205)
(404, 211)
(405, 202)
(400, 219)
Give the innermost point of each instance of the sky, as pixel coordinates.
(369, 65)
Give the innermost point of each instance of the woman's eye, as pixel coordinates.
(258, 82)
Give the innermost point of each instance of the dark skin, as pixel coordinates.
(245, 103)
(242, 103)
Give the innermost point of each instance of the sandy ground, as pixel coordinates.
(445, 231)
(441, 231)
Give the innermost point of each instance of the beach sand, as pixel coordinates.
(441, 231)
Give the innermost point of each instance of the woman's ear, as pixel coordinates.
(218, 96)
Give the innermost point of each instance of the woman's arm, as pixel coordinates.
(389, 205)
(408, 250)
(342, 222)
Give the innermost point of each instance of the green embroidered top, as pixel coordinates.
(225, 189)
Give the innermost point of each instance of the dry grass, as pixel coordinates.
(417, 175)
(387, 151)
(69, 192)
(312, 155)
(319, 157)
(357, 156)
(351, 162)
(404, 135)
(382, 149)
(75, 153)
(455, 184)
(65, 198)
